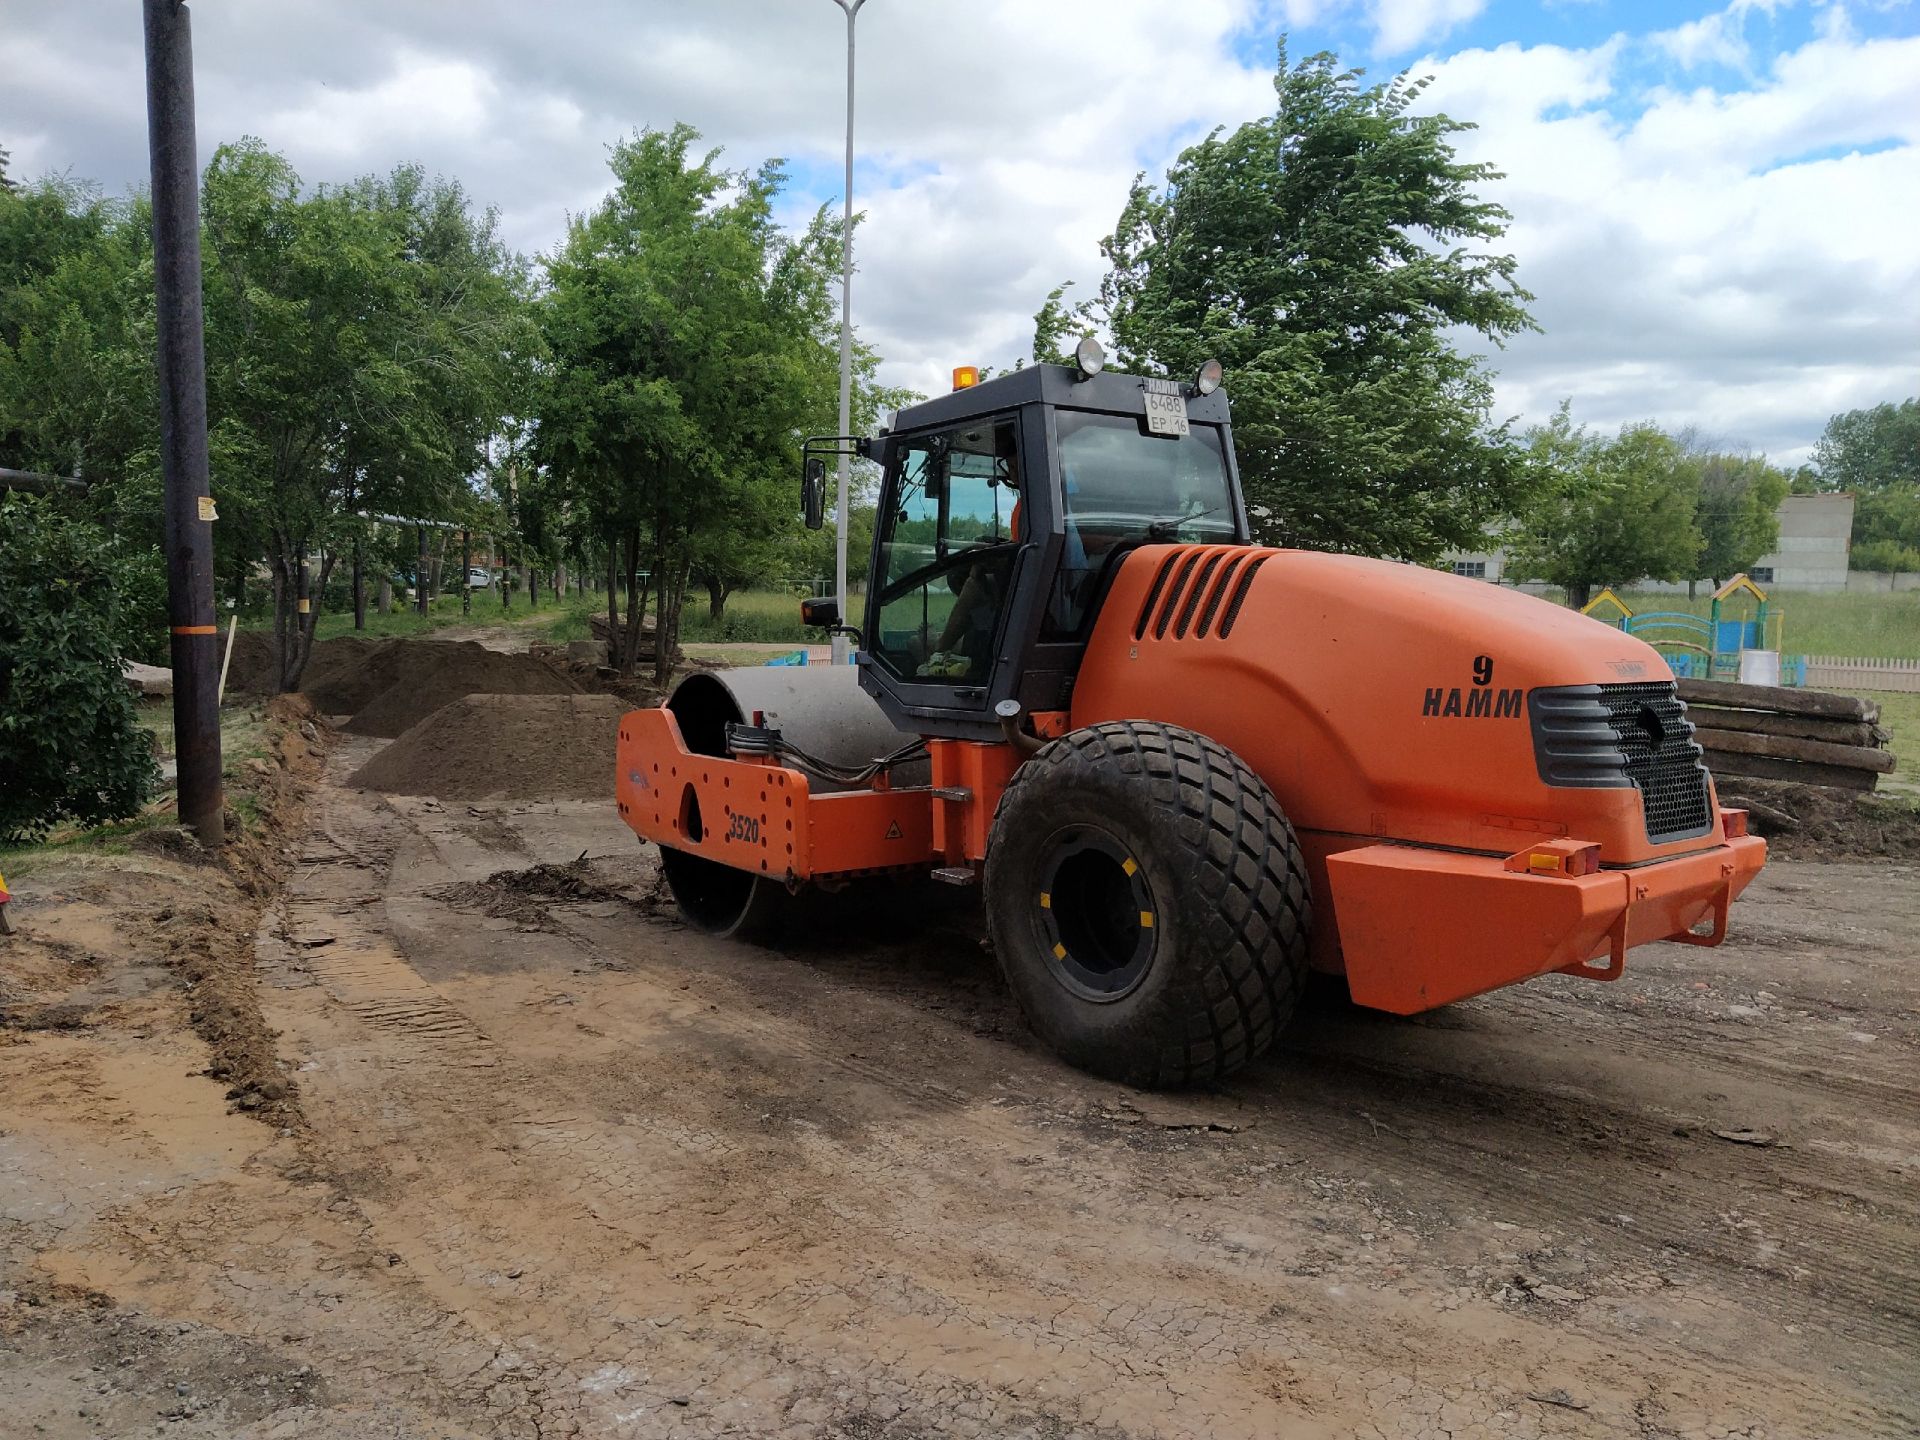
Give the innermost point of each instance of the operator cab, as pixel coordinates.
(1005, 509)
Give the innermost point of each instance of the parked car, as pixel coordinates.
(479, 578)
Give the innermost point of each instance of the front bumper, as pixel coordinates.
(1420, 928)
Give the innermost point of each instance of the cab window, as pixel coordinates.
(1119, 485)
(946, 553)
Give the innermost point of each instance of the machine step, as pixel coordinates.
(957, 875)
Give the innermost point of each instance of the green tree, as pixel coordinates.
(1875, 453)
(1886, 530)
(76, 371)
(70, 747)
(360, 344)
(1328, 255)
(692, 349)
(1605, 512)
(1872, 449)
(1737, 513)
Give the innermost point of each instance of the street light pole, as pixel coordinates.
(852, 8)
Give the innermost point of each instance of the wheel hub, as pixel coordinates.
(1097, 914)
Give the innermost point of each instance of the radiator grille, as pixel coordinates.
(1601, 736)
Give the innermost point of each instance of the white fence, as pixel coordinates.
(1839, 672)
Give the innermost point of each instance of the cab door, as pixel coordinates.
(946, 568)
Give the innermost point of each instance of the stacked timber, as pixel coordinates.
(1808, 737)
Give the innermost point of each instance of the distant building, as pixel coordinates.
(1816, 532)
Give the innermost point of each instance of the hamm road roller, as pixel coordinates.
(1184, 769)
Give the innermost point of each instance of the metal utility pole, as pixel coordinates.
(188, 501)
(852, 8)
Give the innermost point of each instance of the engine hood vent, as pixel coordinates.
(1198, 592)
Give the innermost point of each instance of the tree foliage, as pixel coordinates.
(692, 348)
(1605, 512)
(1875, 453)
(1872, 449)
(70, 747)
(1737, 513)
(362, 345)
(1328, 255)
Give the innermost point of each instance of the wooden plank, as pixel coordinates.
(1778, 698)
(1806, 727)
(1765, 767)
(1786, 747)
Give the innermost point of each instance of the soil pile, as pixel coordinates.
(434, 673)
(388, 685)
(334, 663)
(510, 747)
(524, 895)
(1811, 822)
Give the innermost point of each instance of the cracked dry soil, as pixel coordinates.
(562, 1168)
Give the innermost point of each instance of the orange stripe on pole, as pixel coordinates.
(196, 629)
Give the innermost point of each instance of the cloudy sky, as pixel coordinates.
(1716, 204)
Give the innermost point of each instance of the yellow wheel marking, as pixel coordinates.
(1046, 900)
(1059, 951)
(1146, 919)
(1128, 865)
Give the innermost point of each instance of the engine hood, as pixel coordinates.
(1382, 700)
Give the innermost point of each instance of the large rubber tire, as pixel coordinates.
(1213, 966)
(720, 900)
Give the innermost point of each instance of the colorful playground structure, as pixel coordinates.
(1722, 646)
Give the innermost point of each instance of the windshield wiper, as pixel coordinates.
(1167, 527)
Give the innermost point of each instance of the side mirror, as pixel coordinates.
(813, 492)
(824, 611)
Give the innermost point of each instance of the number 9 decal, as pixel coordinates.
(1483, 669)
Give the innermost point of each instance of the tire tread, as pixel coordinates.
(1236, 848)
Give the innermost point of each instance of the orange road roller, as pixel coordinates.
(1185, 769)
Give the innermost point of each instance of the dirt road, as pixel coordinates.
(568, 1169)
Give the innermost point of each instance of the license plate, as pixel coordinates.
(1166, 414)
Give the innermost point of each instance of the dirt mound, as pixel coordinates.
(1810, 822)
(511, 747)
(388, 685)
(434, 673)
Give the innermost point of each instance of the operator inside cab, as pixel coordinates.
(948, 556)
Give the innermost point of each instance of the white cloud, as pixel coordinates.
(1715, 256)
(1739, 262)
(1401, 25)
(1719, 38)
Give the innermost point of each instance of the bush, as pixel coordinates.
(70, 747)
(1883, 555)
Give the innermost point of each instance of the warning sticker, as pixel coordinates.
(893, 831)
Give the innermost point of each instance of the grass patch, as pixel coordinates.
(442, 612)
(243, 737)
(109, 839)
(728, 655)
(765, 617)
(572, 623)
